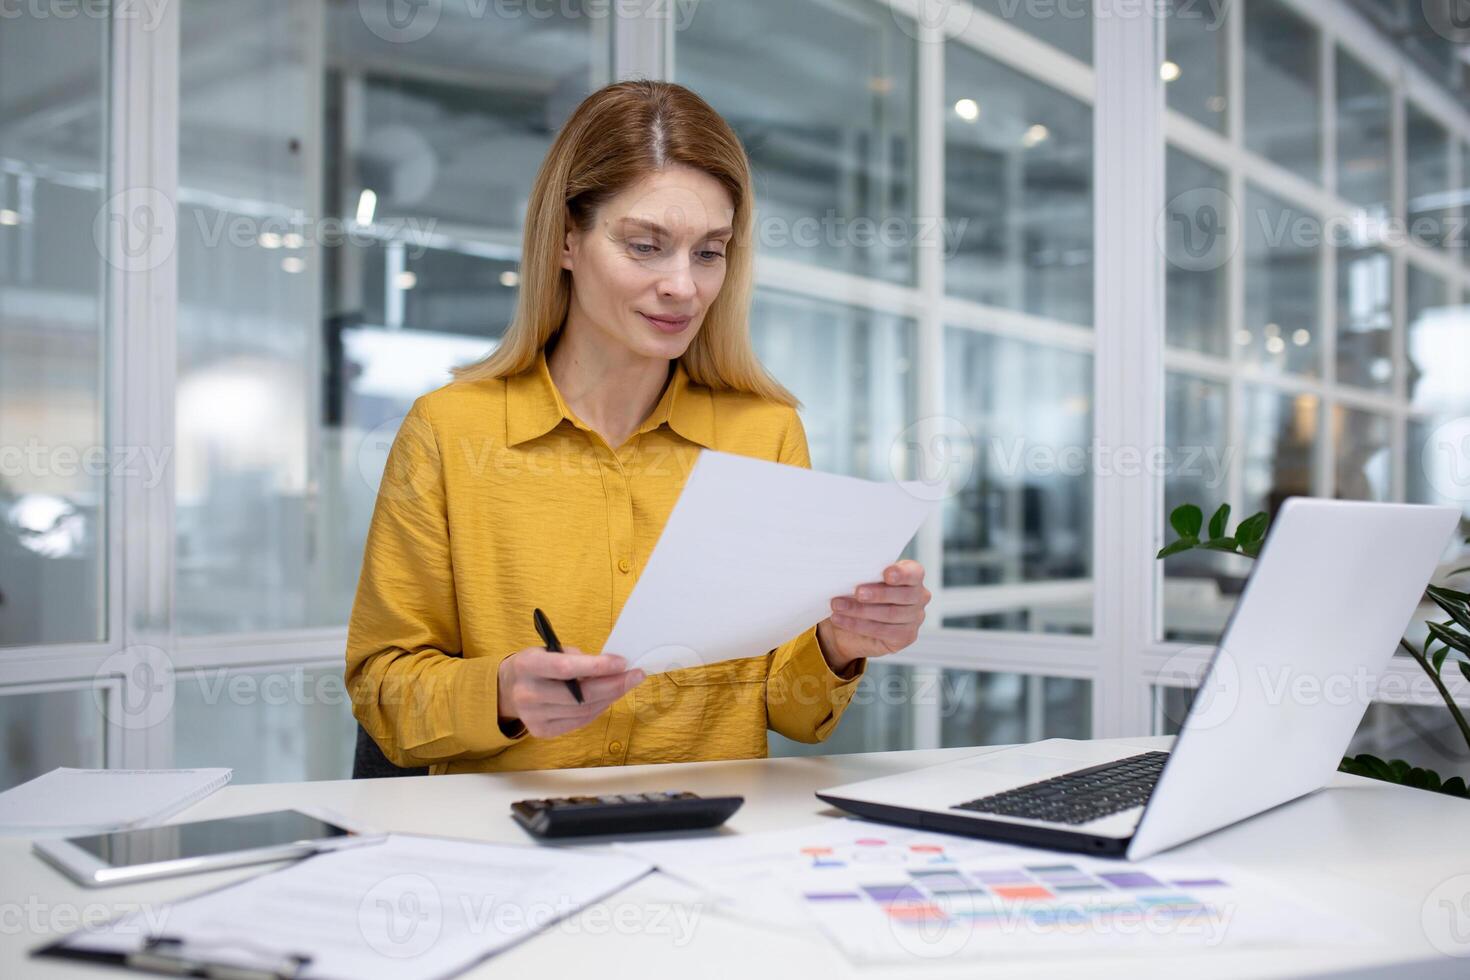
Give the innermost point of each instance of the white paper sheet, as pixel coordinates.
(408, 907)
(890, 894)
(752, 555)
(74, 802)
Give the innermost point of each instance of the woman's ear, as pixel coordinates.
(568, 249)
(568, 238)
(569, 243)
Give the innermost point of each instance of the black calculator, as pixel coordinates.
(630, 813)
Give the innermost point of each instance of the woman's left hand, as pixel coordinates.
(879, 618)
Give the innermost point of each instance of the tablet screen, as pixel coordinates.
(205, 837)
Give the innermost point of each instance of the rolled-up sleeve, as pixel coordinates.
(805, 698)
(410, 688)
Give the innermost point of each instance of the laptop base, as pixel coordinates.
(1050, 838)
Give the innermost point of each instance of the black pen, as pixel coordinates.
(548, 637)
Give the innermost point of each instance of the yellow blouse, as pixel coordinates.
(497, 499)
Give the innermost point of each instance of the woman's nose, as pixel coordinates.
(677, 283)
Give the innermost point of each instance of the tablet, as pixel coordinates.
(183, 848)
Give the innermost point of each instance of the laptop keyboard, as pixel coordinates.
(1081, 796)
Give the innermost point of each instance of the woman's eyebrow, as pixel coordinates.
(659, 229)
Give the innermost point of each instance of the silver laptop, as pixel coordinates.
(1322, 612)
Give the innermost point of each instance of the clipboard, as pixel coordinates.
(165, 954)
(340, 913)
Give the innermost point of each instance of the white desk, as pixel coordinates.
(1365, 846)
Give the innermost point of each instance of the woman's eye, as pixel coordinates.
(644, 248)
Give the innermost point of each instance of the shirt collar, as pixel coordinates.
(534, 406)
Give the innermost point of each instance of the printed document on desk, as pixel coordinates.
(406, 908)
(753, 553)
(892, 894)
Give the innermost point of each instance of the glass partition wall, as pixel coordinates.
(223, 281)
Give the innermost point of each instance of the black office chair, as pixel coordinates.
(369, 762)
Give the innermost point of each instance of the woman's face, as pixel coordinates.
(647, 271)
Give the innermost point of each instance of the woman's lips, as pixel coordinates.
(667, 325)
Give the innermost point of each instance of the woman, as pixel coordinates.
(542, 476)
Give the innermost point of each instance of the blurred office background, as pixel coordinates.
(322, 205)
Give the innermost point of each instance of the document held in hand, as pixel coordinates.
(752, 555)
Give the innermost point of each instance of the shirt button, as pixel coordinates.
(615, 747)
(624, 565)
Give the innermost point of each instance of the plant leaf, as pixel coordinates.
(1450, 601)
(1252, 529)
(1372, 767)
(1437, 658)
(1187, 520)
(1218, 522)
(1452, 594)
(1443, 634)
(1220, 544)
(1464, 668)
(1455, 786)
(1183, 544)
(1384, 771)
(1400, 770)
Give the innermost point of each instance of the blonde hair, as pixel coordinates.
(616, 137)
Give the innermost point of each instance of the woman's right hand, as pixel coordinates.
(533, 688)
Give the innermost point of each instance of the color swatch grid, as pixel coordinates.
(882, 898)
(1039, 893)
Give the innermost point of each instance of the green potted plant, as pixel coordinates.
(1451, 636)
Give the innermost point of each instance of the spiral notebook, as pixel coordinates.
(77, 802)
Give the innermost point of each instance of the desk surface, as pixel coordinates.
(1361, 845)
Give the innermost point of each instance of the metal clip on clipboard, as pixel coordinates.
(164, 955)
